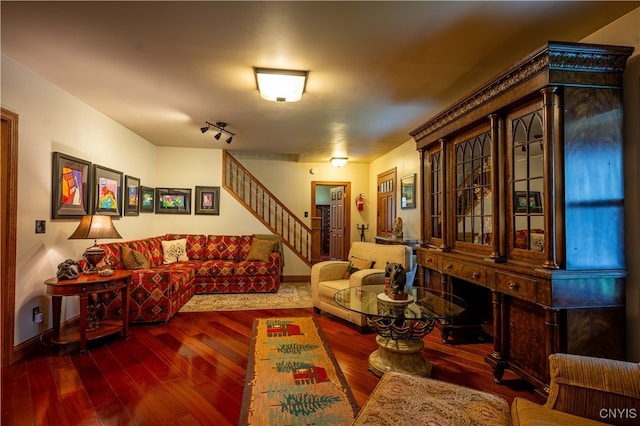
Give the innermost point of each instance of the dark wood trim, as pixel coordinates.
(9, 217)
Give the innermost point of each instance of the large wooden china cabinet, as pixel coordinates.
(522, 208)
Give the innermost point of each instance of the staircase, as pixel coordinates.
(266, 207)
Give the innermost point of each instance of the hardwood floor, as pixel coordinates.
(191, 371)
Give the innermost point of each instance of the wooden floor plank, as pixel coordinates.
(192, 370)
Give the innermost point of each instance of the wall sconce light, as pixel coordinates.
(220, 125)
(281, 85)
(338, 161)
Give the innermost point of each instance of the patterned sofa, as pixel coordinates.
(216, 264)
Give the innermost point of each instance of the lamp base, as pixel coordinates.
(93, 255)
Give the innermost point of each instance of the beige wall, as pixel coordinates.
(626, 32)
(51, 120)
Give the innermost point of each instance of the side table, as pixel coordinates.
(84, 286)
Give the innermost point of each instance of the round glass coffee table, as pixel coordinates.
(400, 324)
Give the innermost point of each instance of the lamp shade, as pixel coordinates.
(94, 227)
(281, 85)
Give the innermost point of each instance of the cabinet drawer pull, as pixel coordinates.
(475, 275)
(514, 286)
(449, 266)
(429, 260)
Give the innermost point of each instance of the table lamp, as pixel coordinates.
(94, 227)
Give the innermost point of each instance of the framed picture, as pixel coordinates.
(147, 197)
(132, 196)
(527, 204)
(207, 200)
(107, 191)
(70, 187)
(408, 192)
(173, 200)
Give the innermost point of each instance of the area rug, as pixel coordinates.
(292, 377)
(290, 295)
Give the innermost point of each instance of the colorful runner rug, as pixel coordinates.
(293, 378)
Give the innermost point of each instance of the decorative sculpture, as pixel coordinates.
(362, 229)
(395, 279)
(397, 229)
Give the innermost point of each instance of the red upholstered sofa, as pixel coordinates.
(217, 264)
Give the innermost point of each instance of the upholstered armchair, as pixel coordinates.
(365, 266)
(603, 390)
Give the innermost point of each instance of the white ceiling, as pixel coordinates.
(377, 69)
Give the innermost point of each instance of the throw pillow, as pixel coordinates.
(261, 250)
(174, 251)
(350, 270)
(362, 263)
(133, 259)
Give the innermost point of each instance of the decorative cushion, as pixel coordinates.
(403, 399)
(356, 262)
(133, 259)
(537, 241)
(350, 270)
(261, 250)
(222, 247)
(175, 251)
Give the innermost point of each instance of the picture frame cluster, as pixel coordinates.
(80, 188)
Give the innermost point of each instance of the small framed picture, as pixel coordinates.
(71, 185)
(147, 197)
(207, 200)
(107, 191)
(408, 192)
(132, 196)
(531, 203)
(173, 200)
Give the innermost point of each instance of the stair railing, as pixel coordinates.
(266, 207)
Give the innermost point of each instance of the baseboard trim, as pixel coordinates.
(35, 344)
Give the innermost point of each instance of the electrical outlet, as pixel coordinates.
(35, 315)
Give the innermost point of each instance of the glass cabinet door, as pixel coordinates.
(473, 192)
(434, 194)
(526, 223)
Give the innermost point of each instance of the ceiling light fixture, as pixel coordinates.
(338, 161)
(221, 126)
(281, 85)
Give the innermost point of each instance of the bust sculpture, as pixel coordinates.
(397, 229)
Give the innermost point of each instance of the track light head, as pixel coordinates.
(221, 126)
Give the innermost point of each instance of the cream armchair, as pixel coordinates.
(329, 276)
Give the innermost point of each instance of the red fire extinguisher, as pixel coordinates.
(360, 202)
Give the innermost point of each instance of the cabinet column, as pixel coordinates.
(496, 141)
(424, 179)
(552, 147)
(498, 325)
(446, 238)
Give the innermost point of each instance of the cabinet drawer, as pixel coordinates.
(469, 272)
(523, 288)
(429, 260)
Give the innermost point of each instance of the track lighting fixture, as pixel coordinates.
(221, 126)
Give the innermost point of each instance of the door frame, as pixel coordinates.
(8, 226)
(347, 208)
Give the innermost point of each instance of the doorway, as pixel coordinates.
(386, 203)
(8, 226)
(331, 220)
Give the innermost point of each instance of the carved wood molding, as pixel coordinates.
(556, 56)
